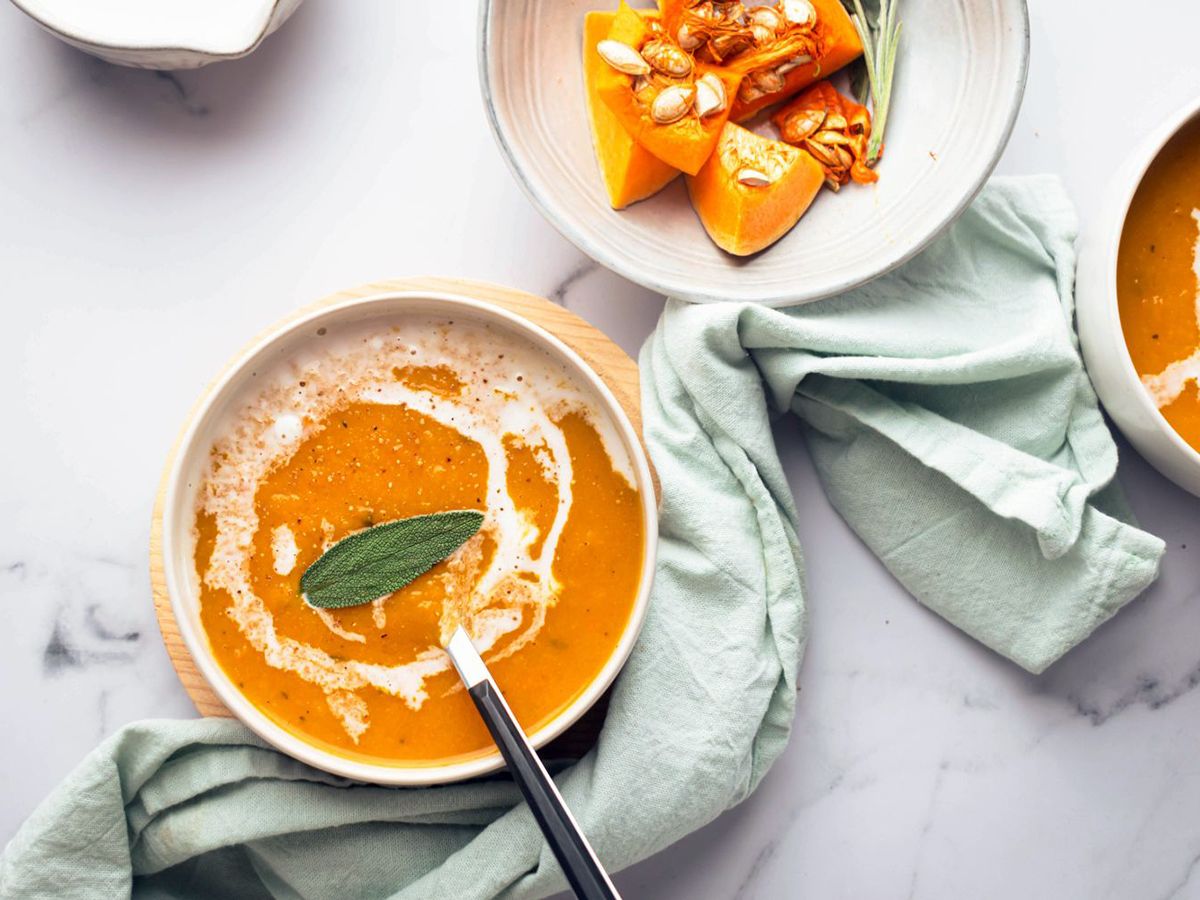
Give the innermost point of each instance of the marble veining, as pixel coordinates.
(1147, 690)
(99, 645)
(577, 274)
(180, 92)
(1185, 882)
(153, 222)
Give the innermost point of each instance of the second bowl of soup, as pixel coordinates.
(1138, 290)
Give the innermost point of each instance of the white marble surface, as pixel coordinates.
(149, 223)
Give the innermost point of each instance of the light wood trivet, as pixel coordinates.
(609, 361)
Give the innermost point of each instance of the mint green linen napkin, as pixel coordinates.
(950, 421)
(953, 427)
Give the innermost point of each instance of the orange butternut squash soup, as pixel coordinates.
(417, 416)
(1158, 282)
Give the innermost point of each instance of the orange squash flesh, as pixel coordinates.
(630, 171)
(743, 219)
(685, 144)
(839, 40)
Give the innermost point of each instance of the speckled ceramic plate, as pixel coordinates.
(959, 81)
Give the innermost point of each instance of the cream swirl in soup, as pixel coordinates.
(379, 423)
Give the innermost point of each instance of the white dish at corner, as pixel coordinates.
(959, 81)
(185, 477)
(1101, 336)
(161, 34)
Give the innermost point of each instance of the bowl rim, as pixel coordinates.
(184, 602)
(30, 8)
(1134, 173)
(698, 294)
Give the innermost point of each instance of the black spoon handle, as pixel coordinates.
(583, 870)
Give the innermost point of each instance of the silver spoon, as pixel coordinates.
(579, 862)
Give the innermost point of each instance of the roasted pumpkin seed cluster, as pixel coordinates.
(671, 83)
(665, 79)
(766, 42)
(833, 129)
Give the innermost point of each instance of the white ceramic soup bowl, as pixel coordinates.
(161, 34)
(1101, 335)
(236, 385)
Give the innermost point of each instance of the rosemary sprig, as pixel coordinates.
(880, 39)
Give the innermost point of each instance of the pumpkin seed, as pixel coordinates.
(765, 23)
(672, 104)
(733, 12)
(752, 177)
(667, 59)
(748, 93)
(800, 125)
(833, 138)
(836, 121)
(710, 95)
(622, 57)
(728, 45)
(794, 63)
(799, 12)
(765, 15)
(768, 81)
(823, 154)
(687, 38)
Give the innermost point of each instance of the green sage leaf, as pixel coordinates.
(384, 558)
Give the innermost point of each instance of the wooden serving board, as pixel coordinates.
(609, 361)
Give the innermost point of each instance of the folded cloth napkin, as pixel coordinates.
(954, 429)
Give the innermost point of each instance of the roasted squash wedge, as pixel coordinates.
(779, 49)
(630, 171)
(684, 142)
(753, 190)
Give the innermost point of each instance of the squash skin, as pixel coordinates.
(839, 40)
(741, 219)
(629, 171)
(685, 144)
